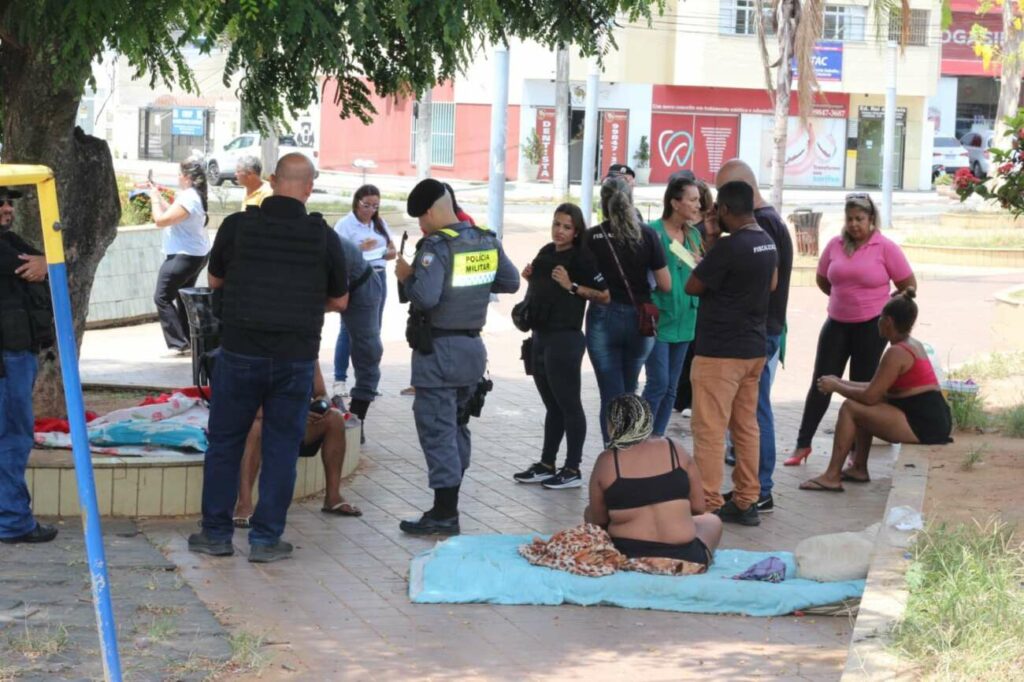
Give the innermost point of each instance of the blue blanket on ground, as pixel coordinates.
(488, 569)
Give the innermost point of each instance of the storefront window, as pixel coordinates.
(918, 27)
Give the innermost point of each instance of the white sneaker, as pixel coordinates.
(340, 388)
(687, 413)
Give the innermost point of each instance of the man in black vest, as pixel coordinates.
(278, 269)
(19, 263)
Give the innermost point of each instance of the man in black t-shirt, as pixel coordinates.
(278, 269)
(771, 222)
(734, 281)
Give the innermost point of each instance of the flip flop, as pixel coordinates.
(242, 522)
(845, 476)
(815, 486)
(342, 509)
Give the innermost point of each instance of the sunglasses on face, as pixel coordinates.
(7, 202)
(858, 196)
(363, 204)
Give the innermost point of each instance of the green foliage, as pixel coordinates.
(284, 48)
(991, 366)
(965, 614)
(642, 156)
(533, 150)
(1006, 186)
(974, 456)
(943, 179)
(1012, 421)
(968, 411)
(1009, 238)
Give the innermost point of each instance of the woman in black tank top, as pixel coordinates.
(647, 492)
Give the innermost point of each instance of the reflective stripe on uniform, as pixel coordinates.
(474, 268)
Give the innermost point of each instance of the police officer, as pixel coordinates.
(278, 268)
(448, 285)
(19, 343)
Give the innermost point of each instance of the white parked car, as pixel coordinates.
(220, 166)
(977, 144)
(948, 156)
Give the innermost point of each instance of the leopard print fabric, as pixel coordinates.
(587, 550)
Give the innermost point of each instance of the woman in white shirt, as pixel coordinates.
(186, 246)
(366, 229)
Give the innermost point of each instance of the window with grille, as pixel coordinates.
(739, 17)
(442, 135)
(918, 27)
(844, 22)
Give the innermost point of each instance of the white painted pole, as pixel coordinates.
(589, 143)
(499, 134)
(889, 134)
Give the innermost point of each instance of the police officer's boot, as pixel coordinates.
(443, 517)
(358, 408)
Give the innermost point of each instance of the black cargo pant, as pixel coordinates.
(178, 272)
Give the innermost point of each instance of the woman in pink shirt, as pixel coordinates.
(854, 271)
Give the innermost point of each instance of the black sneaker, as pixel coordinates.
(730, 513)
(43, 532)
(201, 543)
(265, 554)
(537, 473)
(730, 456)
(428, 525)
(565, 478)
(765, 504)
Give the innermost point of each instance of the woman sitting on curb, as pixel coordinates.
(901, 404)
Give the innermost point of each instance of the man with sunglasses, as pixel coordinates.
(19, 263)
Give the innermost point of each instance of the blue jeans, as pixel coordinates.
(765, 418)
(16, 440)
(664, 365)
(343, 346)
(617, 352)
(241, 384)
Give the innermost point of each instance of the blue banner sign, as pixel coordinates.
(828, 60)
(188, 121)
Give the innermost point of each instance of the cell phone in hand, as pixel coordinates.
(149, 176)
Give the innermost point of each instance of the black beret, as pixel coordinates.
(423, 196)
(8, 193)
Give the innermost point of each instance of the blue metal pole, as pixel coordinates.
(83, 470)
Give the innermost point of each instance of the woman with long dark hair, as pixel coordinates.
(365, 228)
(677, 321)
(562, 278)
(186, 247)
(622, 246)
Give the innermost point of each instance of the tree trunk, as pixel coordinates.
(562, 121)
(269, 146)
(39, 128)
(424, 135)
(1009, 80)
(783, 89)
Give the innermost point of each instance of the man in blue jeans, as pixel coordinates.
(769, 220)
(278, 268)
(19, 263)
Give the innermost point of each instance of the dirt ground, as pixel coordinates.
(991, 487)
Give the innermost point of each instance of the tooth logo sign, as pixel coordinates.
(675, 147)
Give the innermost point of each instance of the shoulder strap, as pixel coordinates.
(674, 455)
(615, 257)
(450, 233)
(615, 456)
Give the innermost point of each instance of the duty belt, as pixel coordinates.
(438, 333)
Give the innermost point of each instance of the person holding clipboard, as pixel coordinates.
(683, 209)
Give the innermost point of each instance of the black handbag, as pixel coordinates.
(526, 355)
(521, 315)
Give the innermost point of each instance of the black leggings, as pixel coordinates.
(557, 359)
(684, 393)
(179, 271)
(839, 342)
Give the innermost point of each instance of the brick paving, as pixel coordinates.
(339, 609)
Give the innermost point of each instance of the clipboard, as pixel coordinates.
(682, 254)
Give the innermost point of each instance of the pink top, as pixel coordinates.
(860, 283)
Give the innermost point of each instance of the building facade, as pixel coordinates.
(692, 85)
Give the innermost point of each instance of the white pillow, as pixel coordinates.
(838, 556)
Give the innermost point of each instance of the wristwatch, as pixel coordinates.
(574, 288)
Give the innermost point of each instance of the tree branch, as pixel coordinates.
(759, 22)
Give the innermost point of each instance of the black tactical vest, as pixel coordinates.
(277, 277)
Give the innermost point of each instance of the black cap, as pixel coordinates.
(621, 169)
(8, 193)
(423, 196)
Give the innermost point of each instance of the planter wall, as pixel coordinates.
(1008, 322)
(979, 221)
(960, 255)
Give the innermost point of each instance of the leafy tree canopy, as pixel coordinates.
(283, 48)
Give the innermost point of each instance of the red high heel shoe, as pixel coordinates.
(798, 457)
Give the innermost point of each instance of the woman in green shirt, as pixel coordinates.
(683, 250)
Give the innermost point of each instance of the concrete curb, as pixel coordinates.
(885, 594)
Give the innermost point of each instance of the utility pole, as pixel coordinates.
(499, 133)
(562, 122)
(589, 142)
(889, 133)
(424, 134)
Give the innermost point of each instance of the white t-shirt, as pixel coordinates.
(189, 236)
(351, 229)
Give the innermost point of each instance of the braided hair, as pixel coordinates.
(629, 421)
(193, 170)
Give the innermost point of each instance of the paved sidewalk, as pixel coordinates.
(339, 609)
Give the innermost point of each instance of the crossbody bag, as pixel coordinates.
(646, 313)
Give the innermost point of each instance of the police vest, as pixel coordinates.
(277, 277)
(467, 288)
(26, 316)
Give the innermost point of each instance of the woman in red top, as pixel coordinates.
(901, 404)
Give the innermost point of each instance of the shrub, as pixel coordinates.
(968, 412)
(1012, 421)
